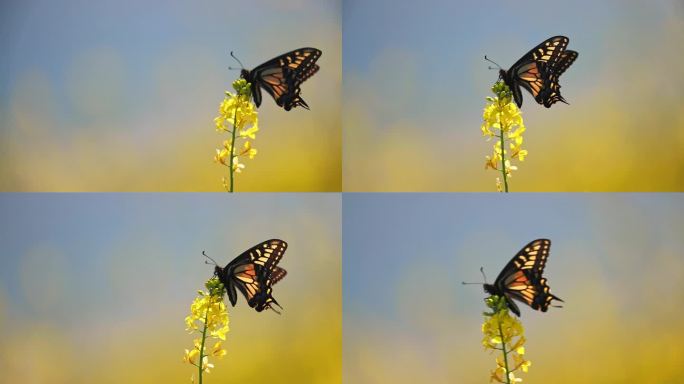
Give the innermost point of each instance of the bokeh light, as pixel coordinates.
(615, 260)
(415, 83)
(121, 96)
(96, 287)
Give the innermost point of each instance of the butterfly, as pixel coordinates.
(253, 273)
(282, 76)
(538, 71)
(521, 279)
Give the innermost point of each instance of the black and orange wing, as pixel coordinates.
(282, 76)
(564, 62)
(277, 275)
(521, 279)
(254, 272)
(533, 70)
(551, 92)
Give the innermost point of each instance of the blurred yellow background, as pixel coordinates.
(121, 96)
(616, 260)
(414, 95)
(95, 288)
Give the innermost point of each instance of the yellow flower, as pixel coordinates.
(208, 318)
(247, 150)
(491, 162)
(513, 379)
(502, 119)
(191, 356)
(221, 156)
(237, 166)
(519, 362)
(510, 168)
(491, 119)
(206, 365)
(509, 117)
(238, 116)
(520, 154)
(518, 346)
(237, 108)
(525, 366)
(498, 375)
(249, 132)
(501, 331)
(217, 351)
(517, 132)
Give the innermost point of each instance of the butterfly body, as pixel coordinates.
(282, 76)
(521, 279)
(253, 273)
(538, 71)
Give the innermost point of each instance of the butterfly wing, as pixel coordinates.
(564, 62)
(521, 279)
(528, 72)
(551, 92)
(277, 274)
(254, 272)
(282, 76)
(263, 299)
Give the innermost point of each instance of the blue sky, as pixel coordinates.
(415, 83)
(88, 278)
(110, 249)
(615, 258)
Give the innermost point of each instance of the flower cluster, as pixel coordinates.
(503, 332)
(209, 318)
(502, 120)
(237, 117)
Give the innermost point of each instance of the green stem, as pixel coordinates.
(503, 155)
(232, 146)
(505, 354)
(204, 338)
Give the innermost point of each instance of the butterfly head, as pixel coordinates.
(244, 74)
(490, 289)
(502, 74)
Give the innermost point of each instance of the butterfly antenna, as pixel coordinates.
(236, 59)
(497, 65)
(483, 275)
(212, 260)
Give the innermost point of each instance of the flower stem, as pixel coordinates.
(503, 154)
(204, 338)
(503, 162)
(232, 147)
(503, 348)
